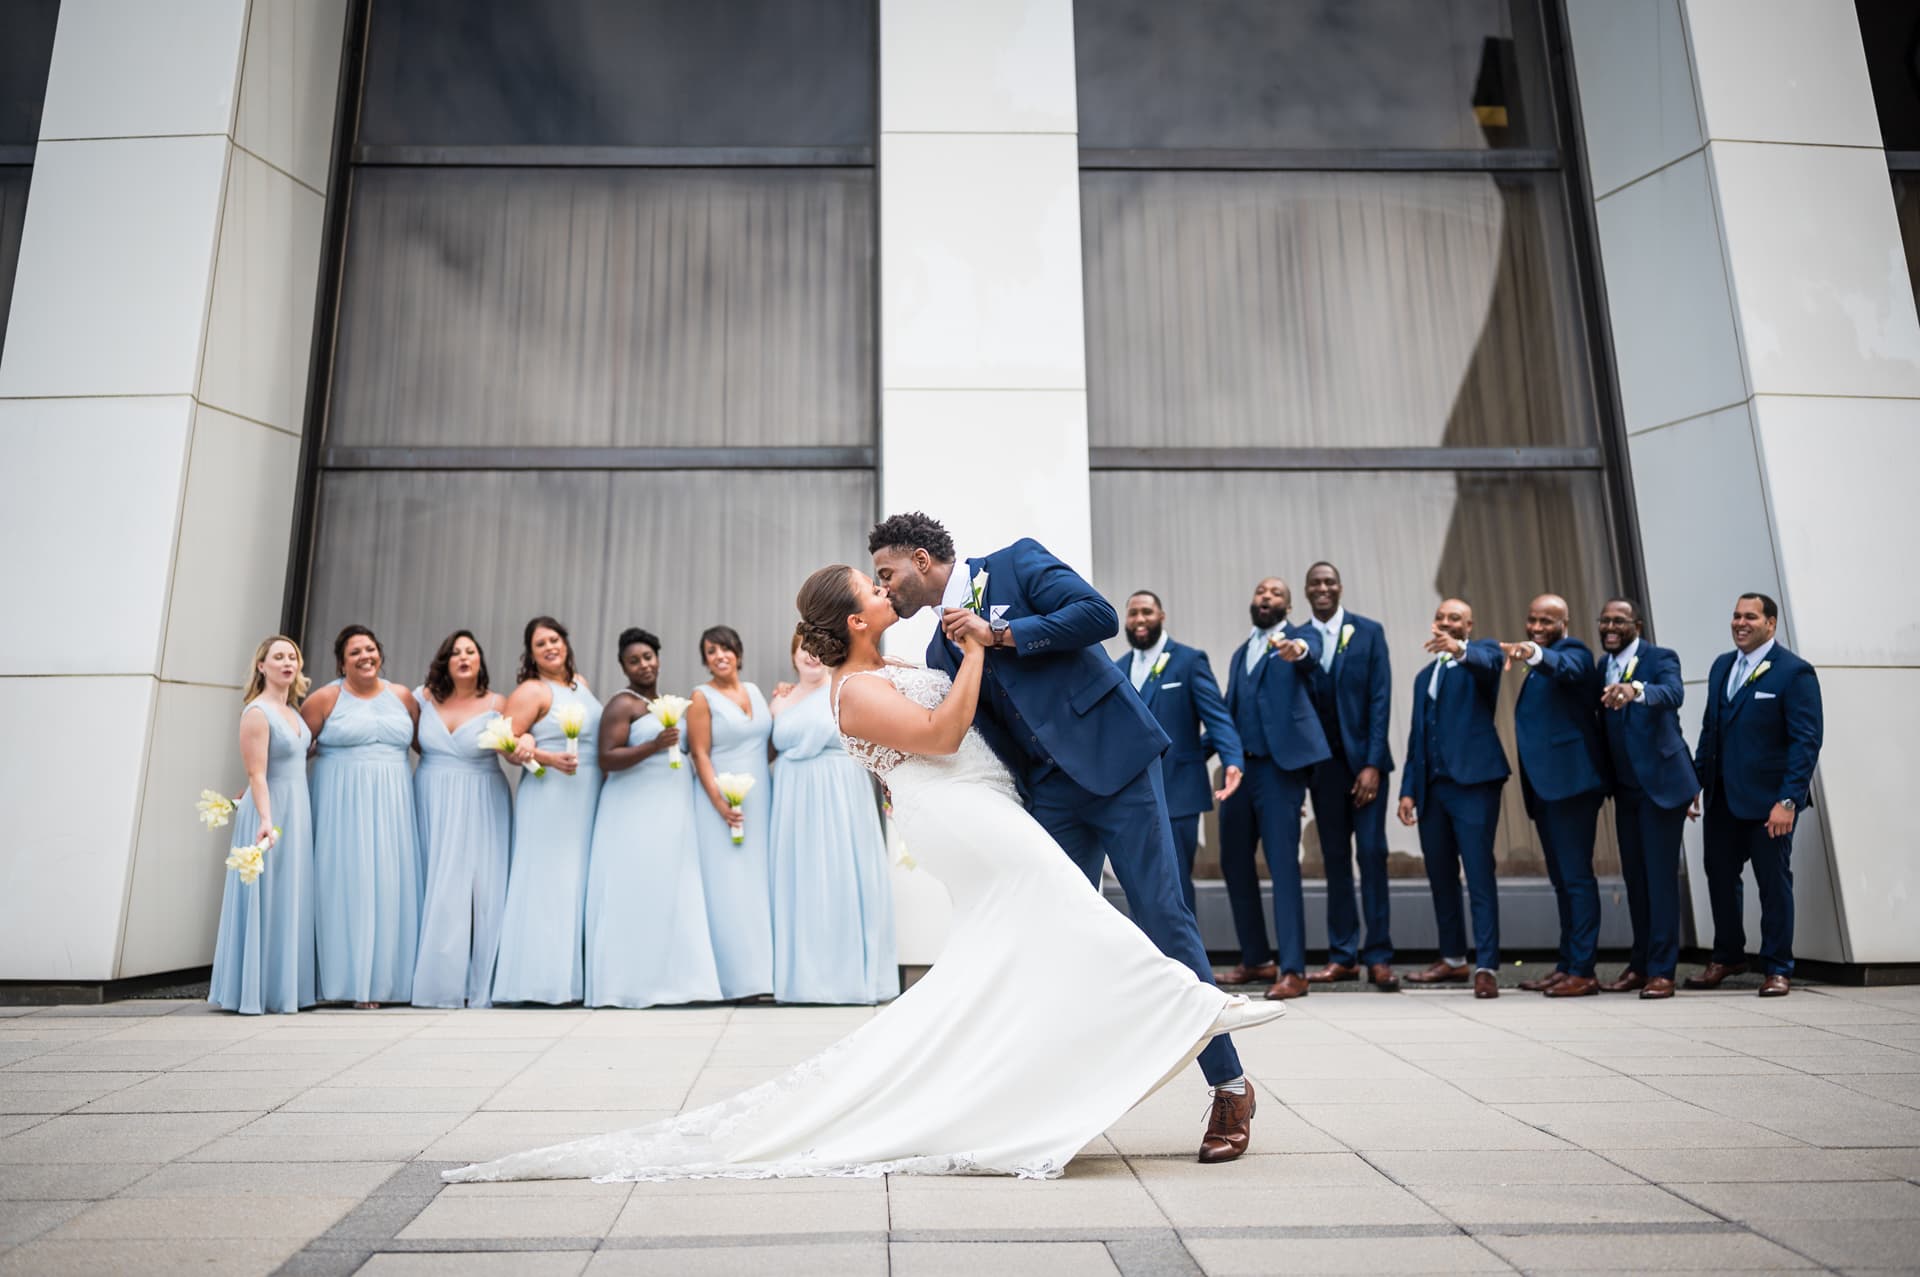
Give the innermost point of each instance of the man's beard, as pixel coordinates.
(1143, 642)
(1265, 618)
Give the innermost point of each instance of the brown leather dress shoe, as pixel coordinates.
(1715, 975)
(1574, 986)
(1381, 977)
(1440, 973)
(1333, 973)
(1484, 984)
(1658, 987)
(1543, 983)
(1265, 973)
(1229, 1126)
(1290, 985)
(1629, 981)
(1775, 986)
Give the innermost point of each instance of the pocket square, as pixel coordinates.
(1763, 696)
(996, 611)
(1168, 687)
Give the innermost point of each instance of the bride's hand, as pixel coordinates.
(968, 630)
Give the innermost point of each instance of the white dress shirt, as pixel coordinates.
(1143, 661)
(1329, 635)
(1259, 639)
(959, 591)
(1617, 664)
(1739, 674)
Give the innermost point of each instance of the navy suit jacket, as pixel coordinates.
(1184, 699)
(1070, 704)
(1469, 744)
(1648, 729)
(1282, 694)
(1556, 723)
(1761, 746)
(1362, 682)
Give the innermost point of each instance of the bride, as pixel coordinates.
(1047, 1017)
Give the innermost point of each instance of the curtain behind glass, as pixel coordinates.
(608, 307)
(1402, 541)
(1330, 309)
(418, 555)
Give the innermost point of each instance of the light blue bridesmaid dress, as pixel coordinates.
(540, 936)
(263, 955)
(647, 938)
(466, 829)
(366, 858)
(739, 908)
(832, 887)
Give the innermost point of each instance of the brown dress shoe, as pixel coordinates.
(1715, 975)
(1265, 973)
(1440, 973)
(1381, 977)
(1574, 986)
(1775, 986)
(1629, 981)
(1658, 987)
(1484, 984)
(1229, 1126)
(1333, 973)
(1290, 985)
(1544, 983)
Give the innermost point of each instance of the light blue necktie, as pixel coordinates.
(1739, 676)
(1433, 684)
(1613, 670)
(1256, 647)
(1329, 641)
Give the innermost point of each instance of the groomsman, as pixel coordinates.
(1563, 780)
(1759, 741)
(1268, 695)
(1353, 696)
(1653, 782)
(1451, 789)
(1177, 683)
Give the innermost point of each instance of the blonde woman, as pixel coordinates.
(263, 957)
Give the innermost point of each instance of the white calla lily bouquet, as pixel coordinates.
(215, 808)
(668, 711)
(734, 787)
(497, 734)
(572, 718)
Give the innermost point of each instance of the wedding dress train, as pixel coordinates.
(1047, 1017)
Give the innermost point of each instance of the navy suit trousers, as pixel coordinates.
(1731, 843)
(1650, 862)
(1266, 810)
(1566, 830)
(1131, 829)
(1186, 844)
(1342, 826)
(1456, 831)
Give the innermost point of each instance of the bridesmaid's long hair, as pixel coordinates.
(529, 668)
(439, 680)
(257, 682)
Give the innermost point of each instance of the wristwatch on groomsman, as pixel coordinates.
(1788, 803)
(1639, 689)
(1002, 632)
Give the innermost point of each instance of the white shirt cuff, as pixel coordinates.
(1536, 653)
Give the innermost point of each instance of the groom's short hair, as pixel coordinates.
(914, 531)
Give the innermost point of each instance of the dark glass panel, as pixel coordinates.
(1331, 310)
(620, 73)
(1402, 542)
(1317, 74)
(26, 51)
(624, 307)
(1906, 207)
(1890, 34)
(14, 179)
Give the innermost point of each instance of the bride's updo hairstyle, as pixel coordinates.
(825, 603)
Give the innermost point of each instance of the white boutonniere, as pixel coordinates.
(1159, 666)
(1626, 675)
(1758, 670)
(979, 595)
(1346, 637)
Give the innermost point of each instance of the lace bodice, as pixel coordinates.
(974, 760)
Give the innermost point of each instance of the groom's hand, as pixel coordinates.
(960, 625)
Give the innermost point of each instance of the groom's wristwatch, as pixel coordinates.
(1002, 632)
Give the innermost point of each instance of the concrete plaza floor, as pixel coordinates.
(1417, 1132)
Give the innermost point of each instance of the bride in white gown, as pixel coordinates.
(1047, 1017)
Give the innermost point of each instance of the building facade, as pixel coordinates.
(440, 313)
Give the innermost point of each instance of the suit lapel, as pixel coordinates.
(1151, 687)
(1744, 693)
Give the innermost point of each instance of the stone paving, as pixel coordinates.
(1416, 1132)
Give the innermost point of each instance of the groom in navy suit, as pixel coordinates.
(1177, 684)
(1083, 750)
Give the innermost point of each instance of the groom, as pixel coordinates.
(1083, 749)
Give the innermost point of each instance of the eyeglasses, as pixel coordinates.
(1615, 623)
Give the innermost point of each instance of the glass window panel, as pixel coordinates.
(1906, 207)
(609, 307)
(1402, 541)
(26, 51)
(1320, 74)
(14, 179)
(620, 73)
(1890, 34)
(417, 555)
(1331, 309)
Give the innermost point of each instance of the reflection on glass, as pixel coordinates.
(14, 179)
(607, 307)
(1319, 74)
(1906, 207)
(620, 73)
(416, 555)
(1402, 541)
(1331, 309)
(26, 52)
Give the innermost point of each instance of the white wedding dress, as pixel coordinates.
(1047, 1017)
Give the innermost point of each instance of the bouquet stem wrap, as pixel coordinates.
(734, 787)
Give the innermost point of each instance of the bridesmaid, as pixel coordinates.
(552, 826)
(465, 818)
(647, 940)
(728, 730)
(263, 957)
(832, 885)
(366, 857)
